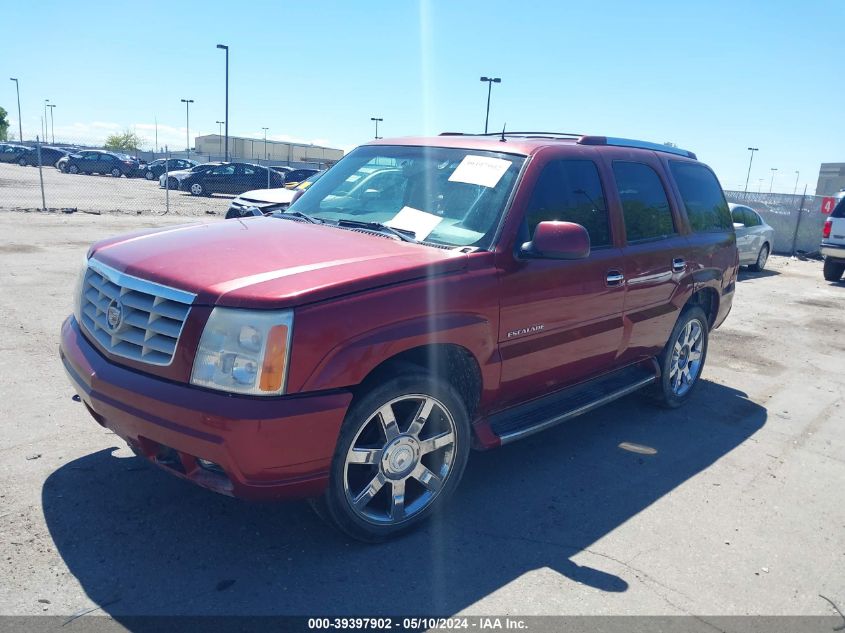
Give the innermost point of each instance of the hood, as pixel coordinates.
(278, 195)
(266, 262)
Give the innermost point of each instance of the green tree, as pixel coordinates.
(126, 140)
(4, 125)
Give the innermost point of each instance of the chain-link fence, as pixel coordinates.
(796, 219)
(67, 177)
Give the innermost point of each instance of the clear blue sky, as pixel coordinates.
(713, 77)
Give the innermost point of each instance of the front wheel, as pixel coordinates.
(762, 258)
(196, 189)
(149, 175)
(73, 169)
(23, 162)
(833, 270)
(682, 360)
(116, 173)
(401, 453)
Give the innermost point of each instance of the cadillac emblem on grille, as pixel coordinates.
(114, 314)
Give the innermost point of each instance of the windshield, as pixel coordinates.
(446, 196)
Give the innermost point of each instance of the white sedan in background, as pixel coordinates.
(754, 238)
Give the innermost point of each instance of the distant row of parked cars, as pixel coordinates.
(175, 173)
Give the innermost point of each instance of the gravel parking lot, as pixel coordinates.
(20, 189)
(736, 507)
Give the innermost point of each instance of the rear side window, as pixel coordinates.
(839, 210)
(704, 201)
(644, 202)
(570, 191)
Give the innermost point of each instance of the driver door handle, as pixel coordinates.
(678, 264)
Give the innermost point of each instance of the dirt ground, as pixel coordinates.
(20, 190)
(738, 509)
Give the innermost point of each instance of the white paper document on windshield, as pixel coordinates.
(420, 222)
(480, 170)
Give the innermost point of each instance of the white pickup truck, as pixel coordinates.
(833, 241)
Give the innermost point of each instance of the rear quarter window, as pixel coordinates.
(839, 209)
(707, 209)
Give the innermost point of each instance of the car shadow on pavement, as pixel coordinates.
(747, 275)
(143, 542)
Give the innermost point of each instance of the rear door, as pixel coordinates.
(654, 252)
(561, 321)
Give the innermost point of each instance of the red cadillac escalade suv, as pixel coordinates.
(426, 296)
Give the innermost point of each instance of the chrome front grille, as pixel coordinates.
(132, 317)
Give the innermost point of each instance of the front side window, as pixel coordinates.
(447, 196)
(570, 191)
(223, 170)
(702, 195)
(644, 202)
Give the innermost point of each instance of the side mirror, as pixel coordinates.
(739, 225)
(558, 240)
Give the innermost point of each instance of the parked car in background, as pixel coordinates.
(231, 178)
(355, 348)
(833, 241)
(176, 177)
(754, 238)
(11, 152)
(100, 162)
(50, 156)
(296, 176)
(154, 169)
(268, 200)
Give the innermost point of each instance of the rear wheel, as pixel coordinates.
(762, 258)
(682, 360)
(73, 169)
(197, 189)
(116, 172)
(23, 162)
(833, 270)
(401, 453)
(149, 175)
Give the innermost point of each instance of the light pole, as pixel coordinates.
(797, 174)
(220, 134)
(376, 119)
(20, 125)
(52, 124)
(188, 103)
(772, 182)
(44, 135)
(490, 81)
(752, 150)
(226, 118)
(265, 141)
(760, 185)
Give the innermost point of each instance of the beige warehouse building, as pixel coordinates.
(831, 179)
(279, 152)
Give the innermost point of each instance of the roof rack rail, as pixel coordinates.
(627, 142)
(518, 134)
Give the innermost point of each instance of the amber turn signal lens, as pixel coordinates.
(275, 355)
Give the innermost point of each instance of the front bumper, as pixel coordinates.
(264, 448)
(833, 251)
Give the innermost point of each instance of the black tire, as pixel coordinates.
(664, 392)
(23, 162)
(149, 175)
(197, 189)
(762, 258)
(833, 269)
(406, 391)
(73, 169)
(116, 173)
(173, 184)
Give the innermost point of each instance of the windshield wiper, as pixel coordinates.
(406, 235)
(298, 214)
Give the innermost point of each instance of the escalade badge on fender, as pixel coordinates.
(114, 315)
(531, 329)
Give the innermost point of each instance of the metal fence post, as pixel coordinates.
(41, 175)
(798, 221)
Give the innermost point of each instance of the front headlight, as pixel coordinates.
(77, 290)
(244, 351)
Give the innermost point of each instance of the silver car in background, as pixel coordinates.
(754, 238)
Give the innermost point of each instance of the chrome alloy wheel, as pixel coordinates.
(400, 459)
(686, 358)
